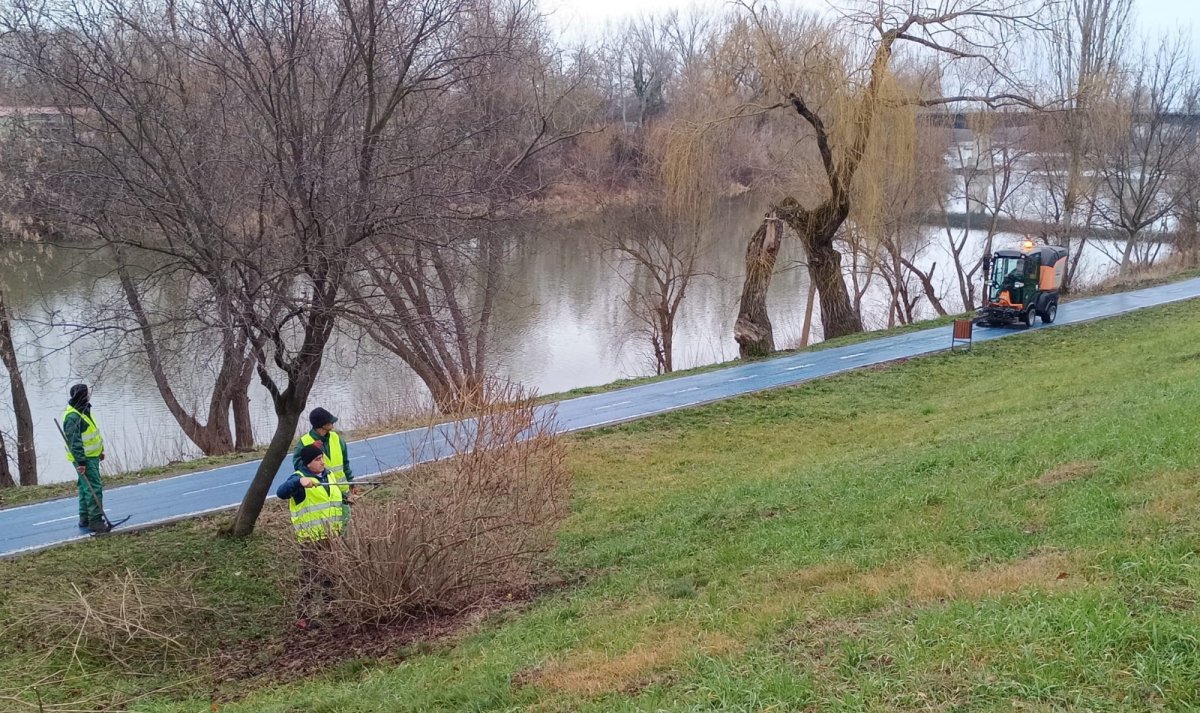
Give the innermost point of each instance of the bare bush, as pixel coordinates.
(138, 625)
(478, 523)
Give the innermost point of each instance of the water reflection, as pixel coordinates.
(561, 325)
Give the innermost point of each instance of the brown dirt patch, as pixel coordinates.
(1067, 471)
(592, 673)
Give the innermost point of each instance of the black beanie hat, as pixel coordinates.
(320, 417)
(309, 453)
(78, 395)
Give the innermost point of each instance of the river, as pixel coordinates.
(561, 325)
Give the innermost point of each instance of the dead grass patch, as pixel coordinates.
(1064, 472)
(1173, 495)
(924, 580)
(592, 673)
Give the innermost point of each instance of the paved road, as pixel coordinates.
(33, 527)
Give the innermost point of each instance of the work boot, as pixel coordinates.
(99, 526)
(83, 522)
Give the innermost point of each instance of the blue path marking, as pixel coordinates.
(27, 528)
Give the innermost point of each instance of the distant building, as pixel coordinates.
(33, 117)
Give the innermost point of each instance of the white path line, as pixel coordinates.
(619, 403)
(851, 356)
(743, 378)
(215, 487)
(793, 368)
(47, 522)
(684, 391)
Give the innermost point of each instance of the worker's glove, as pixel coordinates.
(101, 456)
(81, 469)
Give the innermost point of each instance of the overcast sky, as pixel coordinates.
(1154, 16)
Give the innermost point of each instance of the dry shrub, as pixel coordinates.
(476, 524)
(136, 624)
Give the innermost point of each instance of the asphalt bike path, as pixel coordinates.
(27, 528)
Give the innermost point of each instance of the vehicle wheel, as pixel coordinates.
(1029, 317)
(1051, 312)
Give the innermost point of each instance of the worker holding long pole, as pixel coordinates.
(85, 450)
(315, 502)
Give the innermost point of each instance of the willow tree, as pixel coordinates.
(838, 94)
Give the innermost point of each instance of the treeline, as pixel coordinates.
(263, 175)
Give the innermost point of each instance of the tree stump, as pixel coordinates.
(753, 331)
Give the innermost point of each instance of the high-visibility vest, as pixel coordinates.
(319, 514)
(335, 462)
(93, 444)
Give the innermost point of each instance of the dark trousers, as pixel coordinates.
(316, 582)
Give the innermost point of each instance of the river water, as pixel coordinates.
(561, 325)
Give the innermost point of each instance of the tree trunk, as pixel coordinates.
(239, 401)
(838, 317)
(242, 425)
(6, 479)
(816, 229)
(289, 404)
(668, 347)
(214, 437)
(260, 487)
(753, 331)
(26, 452)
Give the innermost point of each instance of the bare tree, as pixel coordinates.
(885, 234)
(992, 174)
(1084, 52)
(259, 148)
(660, 237)
(1142, 151)
(663, 257)
(432, 305)
(428, 292)
(1186, 188)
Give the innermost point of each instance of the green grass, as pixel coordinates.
(1014, 527)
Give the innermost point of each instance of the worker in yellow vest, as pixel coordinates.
(315, 503)
(85, 450)
(337, 457)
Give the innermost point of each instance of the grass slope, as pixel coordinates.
(1009, 528)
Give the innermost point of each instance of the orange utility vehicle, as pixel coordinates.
(1022, 284)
